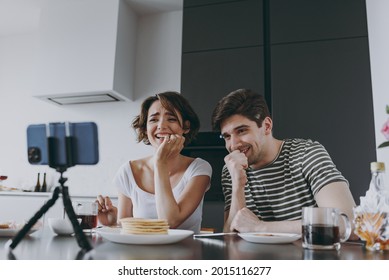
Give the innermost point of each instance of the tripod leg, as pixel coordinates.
(34, 219)
(80, 236)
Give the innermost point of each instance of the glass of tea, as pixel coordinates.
(321, 228)
(87, 212)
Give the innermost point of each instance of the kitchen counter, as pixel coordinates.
(25, 193)
(20, 206)
(43, 194)
(44, 245)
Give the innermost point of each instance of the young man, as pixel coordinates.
(267, 181)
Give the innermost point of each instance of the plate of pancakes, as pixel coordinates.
(143, 231)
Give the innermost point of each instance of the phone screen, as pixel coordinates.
(79, 140)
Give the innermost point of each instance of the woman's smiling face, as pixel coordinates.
(162, 123)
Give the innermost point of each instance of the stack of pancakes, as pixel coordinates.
(144, 226)
(5, 225)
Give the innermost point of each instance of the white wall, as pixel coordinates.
(378, 26)
(158, 67)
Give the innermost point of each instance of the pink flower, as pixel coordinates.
(385, 129)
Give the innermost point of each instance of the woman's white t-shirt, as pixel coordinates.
(144, 202)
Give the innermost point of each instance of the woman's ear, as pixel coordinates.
(186, 127)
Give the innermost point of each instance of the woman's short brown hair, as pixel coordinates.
(174, 102)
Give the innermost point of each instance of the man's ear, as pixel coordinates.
(268, 125)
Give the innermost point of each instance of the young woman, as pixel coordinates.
(166, 185)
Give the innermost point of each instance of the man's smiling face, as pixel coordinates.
(244, 135)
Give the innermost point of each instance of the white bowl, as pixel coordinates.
(61, 226)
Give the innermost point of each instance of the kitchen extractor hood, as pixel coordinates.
(85, 52)
(83, 98)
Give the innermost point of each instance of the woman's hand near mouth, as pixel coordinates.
(170, 147)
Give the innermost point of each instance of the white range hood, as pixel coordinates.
(85, 51)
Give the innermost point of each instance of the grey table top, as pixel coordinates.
(44, 245)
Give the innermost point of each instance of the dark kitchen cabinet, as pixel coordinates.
(224, 26)
(310, 60)
(312, 20)
(193, 3)
(205, 82)
(321, 90)
(222, 50)
(320, 81)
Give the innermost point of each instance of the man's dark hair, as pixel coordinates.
(240, 102)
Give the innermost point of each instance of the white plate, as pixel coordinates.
(10, 232)
(114, 235)
(269, 237)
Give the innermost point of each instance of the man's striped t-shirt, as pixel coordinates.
(278, 191)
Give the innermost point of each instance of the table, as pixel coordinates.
(44, 245)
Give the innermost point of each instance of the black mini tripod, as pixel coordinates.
(61, 189)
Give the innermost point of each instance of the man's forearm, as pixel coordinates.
(238, 202)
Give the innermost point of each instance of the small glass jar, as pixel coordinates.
(371, 217)
(372, 228)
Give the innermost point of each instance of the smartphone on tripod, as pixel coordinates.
(53, 143)
(61, 145)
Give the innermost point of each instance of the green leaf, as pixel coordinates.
(387, 109)
(385, 144)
